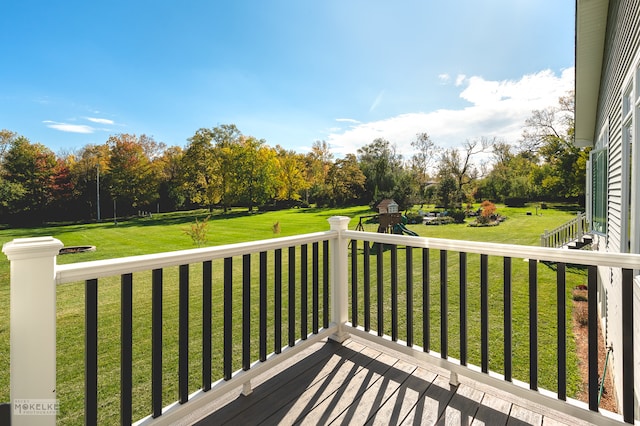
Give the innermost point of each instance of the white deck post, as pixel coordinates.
(339, 277)
(580, 227)
(33, 329)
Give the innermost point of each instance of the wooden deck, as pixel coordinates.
(357, 384)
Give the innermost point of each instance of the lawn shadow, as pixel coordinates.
(573, 207)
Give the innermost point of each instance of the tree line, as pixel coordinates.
(220, 167)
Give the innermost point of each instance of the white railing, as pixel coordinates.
(566, 233)
(35, 274)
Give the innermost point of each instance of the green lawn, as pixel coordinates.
(519, 228)
(165, 232)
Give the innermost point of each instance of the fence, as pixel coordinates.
(566, 233)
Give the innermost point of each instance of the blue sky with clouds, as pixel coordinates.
(288, 71)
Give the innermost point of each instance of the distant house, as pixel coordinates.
(607, 114)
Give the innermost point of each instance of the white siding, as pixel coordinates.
(621, 47)
(614, 198)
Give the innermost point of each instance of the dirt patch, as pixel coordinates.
(580, 331)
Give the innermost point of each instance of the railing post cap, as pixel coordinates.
(26, 248)
(339, 223)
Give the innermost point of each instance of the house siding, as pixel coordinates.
(621, 46)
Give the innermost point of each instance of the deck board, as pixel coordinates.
(493, 411)
(432, 403)
(462, 407)
(356, 384)
(521, 416)
(377, 395)
(404, 399)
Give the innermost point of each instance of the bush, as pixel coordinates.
(581, 293)
(458, 216)
(580, 296)
(488, 213)
(198, 231)
(413, 217)
(440, 220)
(581, 311)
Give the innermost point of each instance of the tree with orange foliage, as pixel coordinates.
(488, 211)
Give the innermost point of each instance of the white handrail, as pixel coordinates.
(109, 267)
(570, 231)
(616, 260)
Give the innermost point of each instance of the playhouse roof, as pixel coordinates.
(386, 203)
(387, 206)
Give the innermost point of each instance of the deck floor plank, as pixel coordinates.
(356, 384)
(404, 399)
(462, 408)
(329, 409)
(268, 397)
(379, 395)
(365, 404)
(324, 391)
(521, 416)
(432, 403)
(493, 411)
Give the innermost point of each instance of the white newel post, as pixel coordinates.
(33, 329)
(580, 227)
(339, 277)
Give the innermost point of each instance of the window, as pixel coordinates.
(598, 184)
(627, 167)
(630, 130)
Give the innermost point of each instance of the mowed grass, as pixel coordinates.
(519, 228)
(165, 232)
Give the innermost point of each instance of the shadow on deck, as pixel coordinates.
(354, 383)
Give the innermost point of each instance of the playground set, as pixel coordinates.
(390, 220)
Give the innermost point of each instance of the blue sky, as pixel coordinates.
(287, 71)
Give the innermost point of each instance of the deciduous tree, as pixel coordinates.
(291, 177)
(257, 171)
(29, 170)
(200, 179)
(318, 163)
(549, 134)
(169, 168)
(461, 165)
(130, 177)
(381, 165)
(345, 180)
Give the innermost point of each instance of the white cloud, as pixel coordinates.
(444, 78)
(100, 120)
(79, 128)
(460, 79)
(347, 120)
(70, 128)
(497, 109)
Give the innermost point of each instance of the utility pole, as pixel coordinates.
(98, 189)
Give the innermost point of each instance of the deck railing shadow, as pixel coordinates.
(380, 397)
